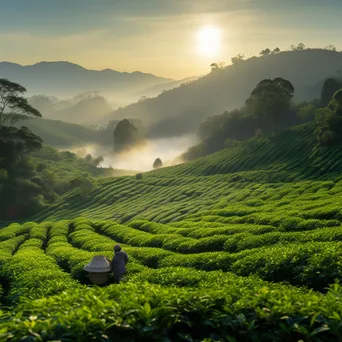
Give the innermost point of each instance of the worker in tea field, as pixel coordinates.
(118, 264)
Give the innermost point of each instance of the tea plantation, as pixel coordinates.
(243, 245)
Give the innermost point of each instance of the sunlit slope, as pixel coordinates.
(263, 172)
(289, 155)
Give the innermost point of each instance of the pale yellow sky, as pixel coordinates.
(160, 37)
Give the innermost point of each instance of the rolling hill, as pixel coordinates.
(158, 89)
(62, 134)
(176, 193)
(244, 243)
(86, 109)
(178, 111)
(64, 79)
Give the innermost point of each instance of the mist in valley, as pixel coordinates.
(141, 157)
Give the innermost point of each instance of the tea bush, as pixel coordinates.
(242, 245)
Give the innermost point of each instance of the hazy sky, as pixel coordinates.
(161, 36)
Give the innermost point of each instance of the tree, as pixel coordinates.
(217, 66)
(16, 144)
(88, 158)
(125, 135)
(14, 107)
(84, 182)
(157, 163)
(265, 52)
(20, 196)
(330, 87)
(275, 51)
(238, 59)
(271, 99)
(335, 104)
(307, 111)
(214, 66)
(330, 47)
(300, 47)
(98, 161)
(329, 121)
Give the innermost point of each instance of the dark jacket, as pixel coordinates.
(118, 264)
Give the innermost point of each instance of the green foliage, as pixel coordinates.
(20, 195)
(238, 59)
(248, 248)
(307, 112)
(84, 183)
(157, 164)
(222, 271)
(330, 87)
(271, 99)
(125, 136)
(329, 121)
(268, 112)
(14, 107)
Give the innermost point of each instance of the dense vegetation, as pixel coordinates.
(237, 257)
(241, 245)
(179, 111)
(268, 109)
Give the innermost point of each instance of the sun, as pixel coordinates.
(209, 41)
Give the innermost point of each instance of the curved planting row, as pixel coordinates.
(210, 199)
(300, 258)
(219, 293)
(29, 271)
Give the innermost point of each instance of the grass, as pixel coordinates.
(243, 245)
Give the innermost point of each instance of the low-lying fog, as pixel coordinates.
(141, 158)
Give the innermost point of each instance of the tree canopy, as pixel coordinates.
(270, 100)
(330, 87)
(125, 135)
(15, 144)
(18, 194)
(13, 106)
(157, 163)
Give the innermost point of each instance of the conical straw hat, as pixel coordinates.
(98, 264)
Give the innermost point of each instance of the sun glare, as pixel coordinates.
(209, 41)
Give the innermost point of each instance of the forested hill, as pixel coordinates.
(175, 193)
(179, 110)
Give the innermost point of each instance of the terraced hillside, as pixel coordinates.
(260, 173)
(243, 245)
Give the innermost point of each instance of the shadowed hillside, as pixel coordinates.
(158, 89)
(179, 110)
(66, 135)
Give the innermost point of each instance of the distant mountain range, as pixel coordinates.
(179, 111)
(64, 79)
